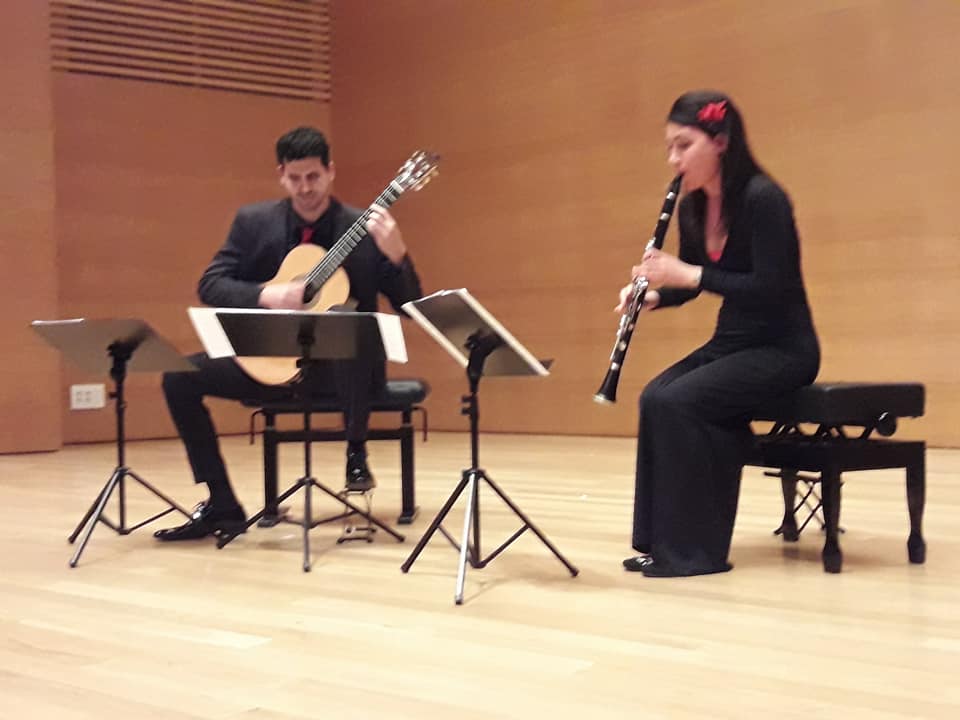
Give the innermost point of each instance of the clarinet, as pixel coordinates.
(607, 394)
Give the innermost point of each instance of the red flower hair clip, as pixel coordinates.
(713, 112)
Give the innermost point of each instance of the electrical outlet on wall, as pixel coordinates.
(87, 397)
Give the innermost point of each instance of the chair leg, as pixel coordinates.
(271, 510)
(409, 508)
(916, 497)
(272, 438)
(830, 486)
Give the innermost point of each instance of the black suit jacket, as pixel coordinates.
(260, 239)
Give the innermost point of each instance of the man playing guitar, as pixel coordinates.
(251, 270)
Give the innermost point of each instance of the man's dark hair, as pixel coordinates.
(303, 142)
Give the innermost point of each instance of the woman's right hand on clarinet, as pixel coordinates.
(650, 300)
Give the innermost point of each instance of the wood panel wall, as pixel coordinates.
(116, 194)
(549, 115)
(266, 47)
(29, 373)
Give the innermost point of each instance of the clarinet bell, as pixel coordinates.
(607, 394)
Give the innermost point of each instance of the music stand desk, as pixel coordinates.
(310, 337)
(459, 323)
(120, 345)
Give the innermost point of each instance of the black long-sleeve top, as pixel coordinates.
(758, 275)
(263, 233)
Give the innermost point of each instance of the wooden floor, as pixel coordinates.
(140, 630)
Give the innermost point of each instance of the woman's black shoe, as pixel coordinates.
(637, 563)
(653, 569)
(206, 520)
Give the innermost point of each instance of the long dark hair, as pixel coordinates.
(715, 114)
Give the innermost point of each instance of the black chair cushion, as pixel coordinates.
(397, 395)
(846, 403)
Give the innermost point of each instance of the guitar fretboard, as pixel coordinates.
(335, 256)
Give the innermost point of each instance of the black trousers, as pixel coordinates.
(354, 382)
(693, 442)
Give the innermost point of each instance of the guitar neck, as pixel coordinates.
(335, 256)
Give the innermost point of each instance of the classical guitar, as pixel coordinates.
(325, 281)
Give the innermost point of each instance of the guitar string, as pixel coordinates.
(345, 245)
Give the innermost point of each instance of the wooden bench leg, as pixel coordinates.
(409, 509)
(916, 497)
(830, 487)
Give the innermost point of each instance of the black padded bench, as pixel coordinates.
(832, 449)
(402, 397)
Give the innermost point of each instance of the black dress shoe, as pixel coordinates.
(637, 563)
(359, 477)
(206, 520)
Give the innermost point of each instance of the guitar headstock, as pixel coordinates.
(418, 170)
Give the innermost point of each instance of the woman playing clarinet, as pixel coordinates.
(738, 240)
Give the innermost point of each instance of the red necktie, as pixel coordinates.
(306, 235)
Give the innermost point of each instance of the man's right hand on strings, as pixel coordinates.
(283, 296)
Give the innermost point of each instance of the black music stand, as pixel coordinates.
(455, 319)
(311, 337)
(87, 343)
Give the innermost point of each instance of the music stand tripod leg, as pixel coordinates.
(225, 538)
(480, 345)
(95, 516)
(468, 518)
(160, 494)
(437, 522)
(120, 354)
(95, 513)
(93, 506)
(307, 520)
(529, 523)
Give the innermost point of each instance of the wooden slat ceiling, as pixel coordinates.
(268, 47)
